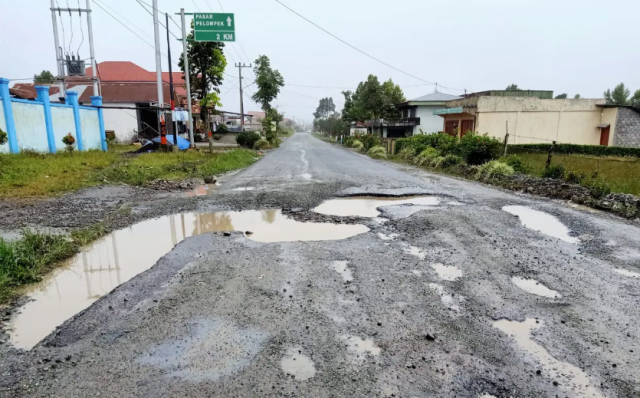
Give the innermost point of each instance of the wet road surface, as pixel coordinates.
(465, 291)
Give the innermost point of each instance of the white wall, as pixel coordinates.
(63, 124)
(358, 130)
(90, 129)
(123, 121)
(31, 130)
(429, 123)
(3, 125)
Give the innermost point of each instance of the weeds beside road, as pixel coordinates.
(31, 174)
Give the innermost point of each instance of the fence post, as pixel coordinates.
(506, 138)
(553, 146)
(72, 99)
(8, 115)
(43, 96)
(97, 102)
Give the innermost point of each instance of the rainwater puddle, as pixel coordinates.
(447, 273)
(202, 190)
(447, 299)
(387, 237)
(341, 268)
(571, 378)
(534, 287)
(415, 251)
(627, 273)
(541, 222)
(416, 272)
(125, 253)
(245, 189)
(297, 364)
(367, 206)
(360, 348)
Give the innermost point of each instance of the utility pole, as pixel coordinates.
(94, 65)
(59, 56)
(156, 34)
(173, 105)
(187, 77)
(240, 66)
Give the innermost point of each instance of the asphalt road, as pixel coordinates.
(425, 304)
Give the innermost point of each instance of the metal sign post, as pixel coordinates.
(214, 27)
(187, 77)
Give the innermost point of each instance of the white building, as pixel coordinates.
(417, 115)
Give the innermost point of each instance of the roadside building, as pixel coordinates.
(534, 117)
(357, 128)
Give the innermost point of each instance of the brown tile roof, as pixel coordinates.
(122, 71)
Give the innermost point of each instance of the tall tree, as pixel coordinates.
(619, 95)
(44, 77)
(635, 100)
(562, 96)
(269, 82)
(207, 64)
(577, 96)
(512, 87)
(325, 108)
(393, 95)
(372, 100)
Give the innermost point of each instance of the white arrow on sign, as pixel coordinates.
(229, 21)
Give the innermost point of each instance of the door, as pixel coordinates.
(604, 136)
(467, 126)
(450, 127)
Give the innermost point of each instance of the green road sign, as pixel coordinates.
(214, 27)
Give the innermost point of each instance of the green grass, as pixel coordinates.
(621, 174)
(31, 174)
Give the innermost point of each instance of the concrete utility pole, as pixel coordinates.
(59, 56)
(156, 34)
(240, 66)
(94, 65)
(173, 104)
(187, 77)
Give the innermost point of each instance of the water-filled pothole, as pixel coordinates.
(628, 273)
(298, 365)
(125, 253)
(367, 206)
(541, 222)
(534, 287)
(571, 379)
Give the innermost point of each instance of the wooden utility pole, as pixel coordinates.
(506, 139)
(553, 146)
(240, 66)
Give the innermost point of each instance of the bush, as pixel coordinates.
(573, 149)
(574, 177)
(554, 171)
(494, 169)
(262, 144)
(437, 162)
(377, 152)
(369, 141)
(407, 153)
(3, 137)
(217, 136)
(451, 160)
(348, 140)
(517, 163)
(597, 188)
(478, 149)
(356, 144)
(426, 156)
(247, 139)
(446, 144)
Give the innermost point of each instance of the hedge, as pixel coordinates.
(573, 149)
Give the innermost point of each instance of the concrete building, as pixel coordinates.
(357, 128)
(531, 119)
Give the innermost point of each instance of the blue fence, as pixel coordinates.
(40, 125)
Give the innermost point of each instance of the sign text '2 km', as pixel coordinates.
(214, 27)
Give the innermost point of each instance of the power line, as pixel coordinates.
(124, 18)
(125, 26)
(194, 3)
(357, 49)
(161, 24)
(81, 31)
(162, 12)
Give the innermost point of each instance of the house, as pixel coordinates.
(535, 117)
(357, 128)
(127, 88)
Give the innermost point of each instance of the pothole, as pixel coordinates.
(344, 271)
(447, 272)
(534, 287)
(570, 378)
(387, 237)
(541, 222)
(628, 273)
(367, 206)
(300, 366)
(415, 251)
(450, 300)
(123, 254)
(359, 348)
(202, 190)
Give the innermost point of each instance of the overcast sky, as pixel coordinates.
(572, 46)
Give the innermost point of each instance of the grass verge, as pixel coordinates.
(31, 174)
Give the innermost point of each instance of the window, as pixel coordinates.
(412, 113)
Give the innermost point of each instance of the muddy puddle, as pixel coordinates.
(628, 273)
(541, 222)
(367, 206)
(534, 287)
(342, 268)
(447, 272)
(571, 379)
(359, 348)
(123, 254)
(300, 366)
(202, 190)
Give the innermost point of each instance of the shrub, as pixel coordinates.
(517, 163)
(478, 149)
(573, 149)
(493, 169)
(69, 141)
(597, 187)
(407, 153)
(348, 140)
(437, 162)
(247, 139)
(451, 160)
(217, 136)
(262, 144)
(377, 152)
(3, 137)
(356, 144)
(554, 171)
(369, 141)
(426, 156)
(446, 144)
(574, 177)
